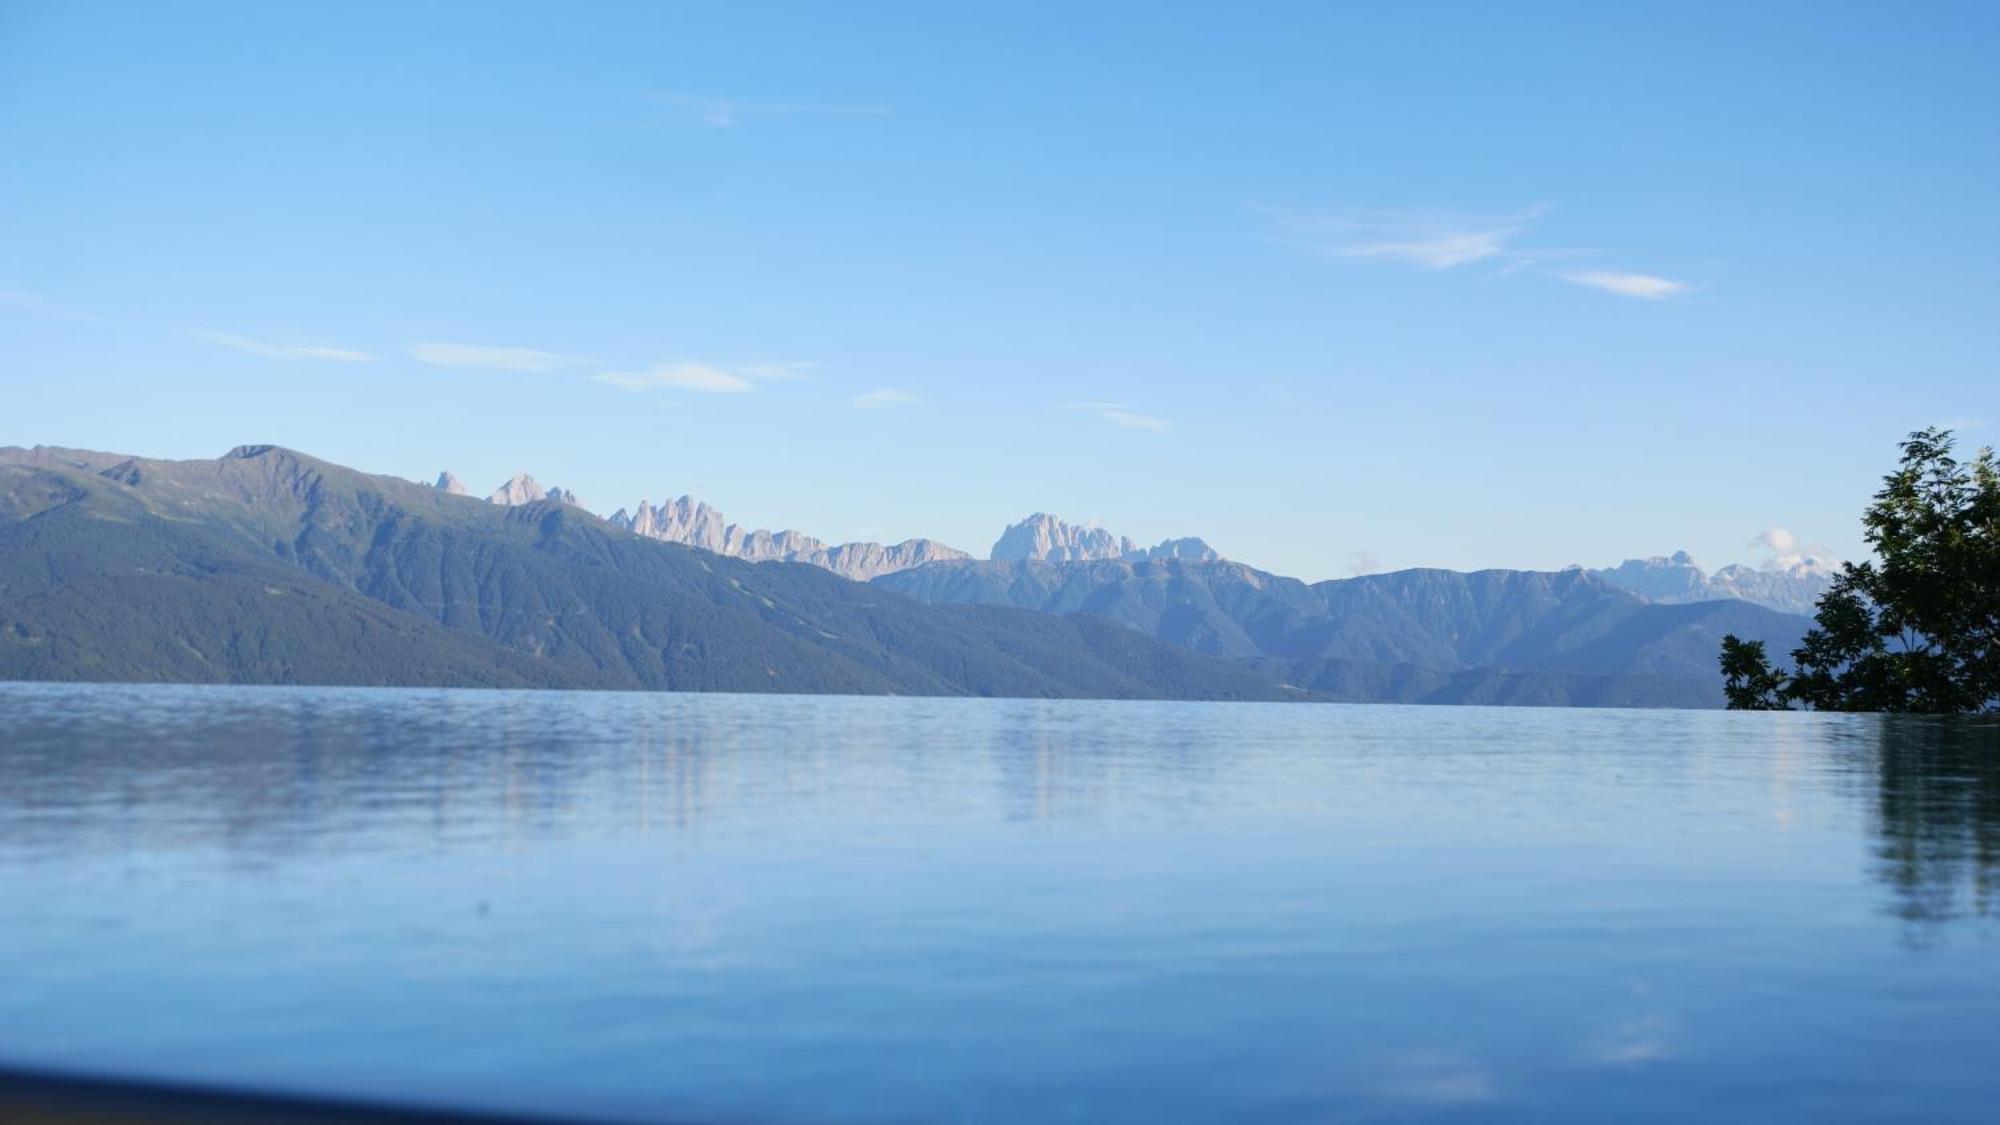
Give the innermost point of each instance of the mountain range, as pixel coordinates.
(690, 522)
(516, 490)
(269, 566)
(1045, 538)
(266, 565)
(1417, 636)
(1790, 585)
(1793, 585)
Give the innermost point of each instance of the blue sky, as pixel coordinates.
(1337, 287)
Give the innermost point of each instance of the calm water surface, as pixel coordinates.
(825, 909)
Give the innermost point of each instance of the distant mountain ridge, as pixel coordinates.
(1040, 537)
(516, 490)
(1788, 585)
(1564, 637)
(1641, 634)
(269, 566)
(695, 524)
(1045, 538)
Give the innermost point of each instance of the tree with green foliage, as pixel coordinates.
(1918, 628)
(1748, 680)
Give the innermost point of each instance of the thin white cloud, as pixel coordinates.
(1436, 241)
(883, 398)
(702, 378)
(1963, 423)
(1440, 252)
(1121, 415)
(701, 111)
(285, 351)
(23, 300)
(491, 358)
(1426, 240)
(1644, 286)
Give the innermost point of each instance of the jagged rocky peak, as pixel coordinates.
(1660, 578)
(685, 520)
(519, 489)
(1789, 584)
(1045, 538)
(449, 483)
(1189, 549)
(692, 523)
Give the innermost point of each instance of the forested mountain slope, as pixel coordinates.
(1554, 637)
(267, 566)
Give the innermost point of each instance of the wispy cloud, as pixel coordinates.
(1644, 286)
(1132, 421)
(491, 358)
(22, 300)
(883, 398)
(702, 378)
(1427, 240)
(1435, 241)
(1438, 252)
(1122, 415)
(285, 351)
(1963, 423)
(703, 111)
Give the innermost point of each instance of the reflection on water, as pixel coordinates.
(632, 906)
(278, 772)
(1937, 809)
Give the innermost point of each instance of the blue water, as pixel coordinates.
(833, 909)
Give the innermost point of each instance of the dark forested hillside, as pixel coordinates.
(1438, 636)
(266, 566)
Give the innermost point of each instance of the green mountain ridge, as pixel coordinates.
(268, 566)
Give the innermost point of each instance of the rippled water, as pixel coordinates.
(837, 909)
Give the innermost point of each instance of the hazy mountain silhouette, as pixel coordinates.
(1491, 636)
